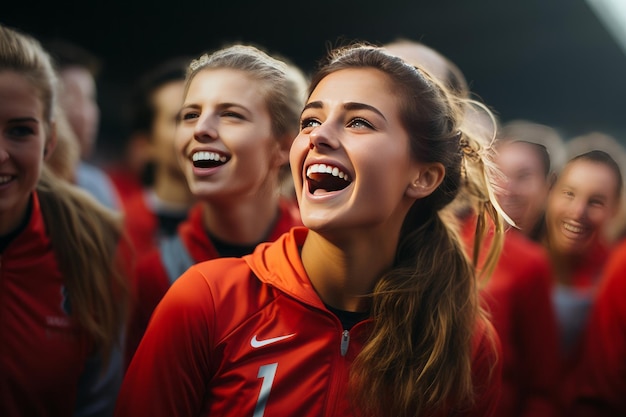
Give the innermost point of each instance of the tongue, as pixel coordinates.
(321, 183)
(207, 164)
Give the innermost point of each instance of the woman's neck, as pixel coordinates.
(9, 230)
(15, 216)
(172, 189)
(245, 221)
(564, 265)
(344, 274)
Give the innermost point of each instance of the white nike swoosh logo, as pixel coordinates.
(255, 343)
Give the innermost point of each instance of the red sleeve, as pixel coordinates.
(600, 383)
(535, 332)
(149, 285)
(486, 371)
(170, 369)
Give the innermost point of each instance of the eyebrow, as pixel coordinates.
(220, 107)
(347, 106)
(189, 106)
(24, 120)
(598, 196)
(226, 105)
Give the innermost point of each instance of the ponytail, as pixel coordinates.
(476, 195)
(424, 312)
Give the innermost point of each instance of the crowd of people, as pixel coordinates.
(367, 239)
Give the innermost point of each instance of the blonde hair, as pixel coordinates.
(285, 84)
(66, 154)
(425, 310)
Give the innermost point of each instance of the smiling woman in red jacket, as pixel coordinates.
(583, 200)
(240, 114)
(373, 309)
(62, 298)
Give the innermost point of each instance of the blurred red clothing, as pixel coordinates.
(125, 182)
(518, 297)
(598, 387)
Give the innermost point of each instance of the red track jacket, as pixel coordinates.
(518, 297)
(250, 337)
(152, 278)
(47, 367)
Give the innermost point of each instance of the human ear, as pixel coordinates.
(51, 142)
(426, 180)
(282, 151)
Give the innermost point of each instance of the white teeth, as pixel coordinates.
(208, 156)
(4, 179)
(571, 228)
(327, 169)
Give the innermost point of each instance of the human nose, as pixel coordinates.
(205, 130)
(578, 209)
(324, 136)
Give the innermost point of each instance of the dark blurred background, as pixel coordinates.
(555, 62)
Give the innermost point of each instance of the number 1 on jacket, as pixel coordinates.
(267, 372)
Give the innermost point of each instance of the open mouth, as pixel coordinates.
(322, 178)
(573, 229)
(5, 178)
(205, 159)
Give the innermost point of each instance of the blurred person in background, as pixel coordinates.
(155, 210)
(584, 199)
(66, 154)
(78, 70)
(518, 294)
(529, 155)
(437, 64)
(616, 228)
(63, 279)
(598, 388)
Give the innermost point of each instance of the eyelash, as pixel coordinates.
(21, 131)
(231, 114)
(591, 202)
(195, 115)
(360, 120)
(306, 122)
(188, 116)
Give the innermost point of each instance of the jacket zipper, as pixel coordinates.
(345, 342)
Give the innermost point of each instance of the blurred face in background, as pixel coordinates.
(78, 99)
(167, 101)
(582, 201)
(523, 192)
